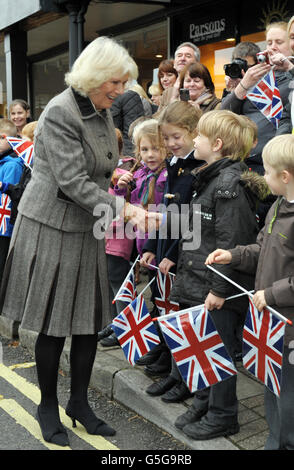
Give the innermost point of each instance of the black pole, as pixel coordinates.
(80, 25)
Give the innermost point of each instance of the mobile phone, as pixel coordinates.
(184, 94)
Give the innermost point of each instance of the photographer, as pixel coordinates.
(236, 101)
(243, 57)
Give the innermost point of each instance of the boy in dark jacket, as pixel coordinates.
(271, 258)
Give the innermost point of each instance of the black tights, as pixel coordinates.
(48, 350)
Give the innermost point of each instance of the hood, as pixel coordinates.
(256, 184)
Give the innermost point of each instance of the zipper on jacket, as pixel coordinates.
(275, 215)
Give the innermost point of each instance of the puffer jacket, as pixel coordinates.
(272, 259)
(224, 198)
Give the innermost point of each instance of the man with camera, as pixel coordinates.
(246, 76)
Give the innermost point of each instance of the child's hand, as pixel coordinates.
(219, 257)
(0, 184)
(125, 179)
(147, 259)
(259, 300)
(213, 302)
(165, 265)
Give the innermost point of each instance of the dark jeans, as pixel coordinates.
(221, 398)
(279, 411)
(4, 247)
(118, 269)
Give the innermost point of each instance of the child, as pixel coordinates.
(177, 125)
(11, 168)
(147, 182)
(272, 259)
(143, 185)
(226, 206)
(118, 248)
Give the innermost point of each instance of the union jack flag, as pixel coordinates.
(164, 285)
(127, 292)
(135, 330)
(197, 348)
(5, 213)
(23, 148)
(263, 338)
(266, 97)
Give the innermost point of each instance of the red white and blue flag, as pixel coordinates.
(197, 348)
(5, 213)
(127, 292)
(135, 330)
(23, 148)
(266, 97)
(164, 285)
(263, 338)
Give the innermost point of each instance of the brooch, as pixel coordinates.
(180, 171)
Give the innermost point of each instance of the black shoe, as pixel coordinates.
(159, 388)
(203, 430)
(191, 416)
(177, 393)
(52, 432)
(150, 357)
(87, 418)
(109, 341)
(161, 367)
(107, 331)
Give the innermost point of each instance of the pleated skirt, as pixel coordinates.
(55, 282)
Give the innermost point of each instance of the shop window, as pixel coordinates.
(48, 81)
(3, 98)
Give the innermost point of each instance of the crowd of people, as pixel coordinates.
(106, 143)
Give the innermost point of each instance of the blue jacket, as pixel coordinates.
(11, 169)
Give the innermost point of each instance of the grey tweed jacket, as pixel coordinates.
(76, 152)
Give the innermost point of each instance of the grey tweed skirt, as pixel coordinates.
(55, 282)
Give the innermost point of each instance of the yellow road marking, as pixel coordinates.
(26, 420)
(25, 365)
(33, 393)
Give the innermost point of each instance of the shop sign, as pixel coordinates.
(208, 30)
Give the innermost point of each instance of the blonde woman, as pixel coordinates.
(56, 279)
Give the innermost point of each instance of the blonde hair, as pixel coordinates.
(7, 127)
(181, 114)
(29, 129)
(140, 90)
(154, 90)
(149, 129)
(277, 24)
(278, 153)
(236, 133)
(100, 61)
(290, 22)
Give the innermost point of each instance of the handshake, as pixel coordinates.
(144, 221)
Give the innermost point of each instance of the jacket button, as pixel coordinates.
(190, 263)
(109, 155)
(107, 174)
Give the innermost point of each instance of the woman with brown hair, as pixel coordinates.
(167, 74)
(197, 79)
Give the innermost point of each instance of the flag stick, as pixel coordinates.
(281, 317)
(119, 291)
(156, 267)
(152, 280)
(196, 306)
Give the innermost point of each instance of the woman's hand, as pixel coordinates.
(146, 222)
(125, 179)
(213, 302)
(219, 257)
(280, 61)
(165, 265)
(251, 78)
(259, 300)
(147, 259)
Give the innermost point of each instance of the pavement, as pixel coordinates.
(114, 377)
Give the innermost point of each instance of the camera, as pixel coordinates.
(234, 70)
(184, 94)
(262, 57)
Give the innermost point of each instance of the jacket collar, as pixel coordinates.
(85, 106)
